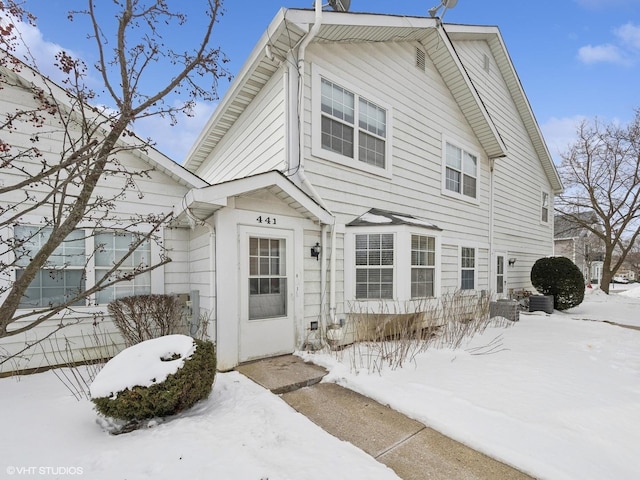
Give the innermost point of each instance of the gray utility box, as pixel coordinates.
(541, 303)
(505, 308)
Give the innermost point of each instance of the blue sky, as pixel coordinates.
(575, 58)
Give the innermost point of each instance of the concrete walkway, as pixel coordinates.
(413, 451)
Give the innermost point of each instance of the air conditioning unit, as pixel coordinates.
(505, 308)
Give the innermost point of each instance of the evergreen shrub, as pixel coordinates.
(181, 390)
(560, 277)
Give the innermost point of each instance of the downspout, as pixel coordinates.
(193, 221)
(300, 167)
(212, 275)
(493, 274)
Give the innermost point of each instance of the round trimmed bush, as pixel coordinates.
(560, 277)
(157, 397)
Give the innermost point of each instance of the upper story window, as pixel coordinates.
(460, 172)
(544, 215)
(351, 128)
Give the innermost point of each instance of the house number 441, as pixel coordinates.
(267, 220)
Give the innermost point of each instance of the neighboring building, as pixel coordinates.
(157, 193)
(580, 245)
(358, 162)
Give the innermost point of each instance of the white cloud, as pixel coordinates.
(605, 53)
(175, 141)
(33, 49)
(625, 51)
(629, 35)
(560, 134)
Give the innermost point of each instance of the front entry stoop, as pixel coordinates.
(282, 374)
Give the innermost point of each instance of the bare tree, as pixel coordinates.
(63, 187)
(601, 173)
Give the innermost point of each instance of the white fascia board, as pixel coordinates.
(305, 18)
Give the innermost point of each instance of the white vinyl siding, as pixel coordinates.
(519, 178)
(256, 143)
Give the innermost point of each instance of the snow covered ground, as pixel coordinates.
(560, 400)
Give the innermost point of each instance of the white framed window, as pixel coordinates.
(467, 268)
(111, 247)
(544, 207)
(375, 254)
(423, 266)
(63, 276)
(79, 263)
(460, 173)
(350, 127)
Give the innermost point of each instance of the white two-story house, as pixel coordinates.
(358, 162)
(361, 162)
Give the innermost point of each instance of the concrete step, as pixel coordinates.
(282, 374)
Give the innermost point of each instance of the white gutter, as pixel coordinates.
(300, 172)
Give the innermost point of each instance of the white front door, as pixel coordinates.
(266, 292)
(500, 286)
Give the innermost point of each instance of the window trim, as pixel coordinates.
(461, 268)
(465, 149)
(317, 73)
(402, 267)
(542, 206)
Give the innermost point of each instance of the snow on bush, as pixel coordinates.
(155, 378)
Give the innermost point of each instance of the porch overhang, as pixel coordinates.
(200, 203)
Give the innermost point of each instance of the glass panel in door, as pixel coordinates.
(267, 278)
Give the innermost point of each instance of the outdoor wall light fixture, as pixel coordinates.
(315, 251)
(512, 261)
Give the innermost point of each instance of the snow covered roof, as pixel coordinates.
(377, 217)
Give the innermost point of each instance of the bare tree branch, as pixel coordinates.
(601, 172)
(62, 186)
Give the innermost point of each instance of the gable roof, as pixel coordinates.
(572, 226)
(290, 26)
(29, 78)
(493, 38)
(201, 203)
